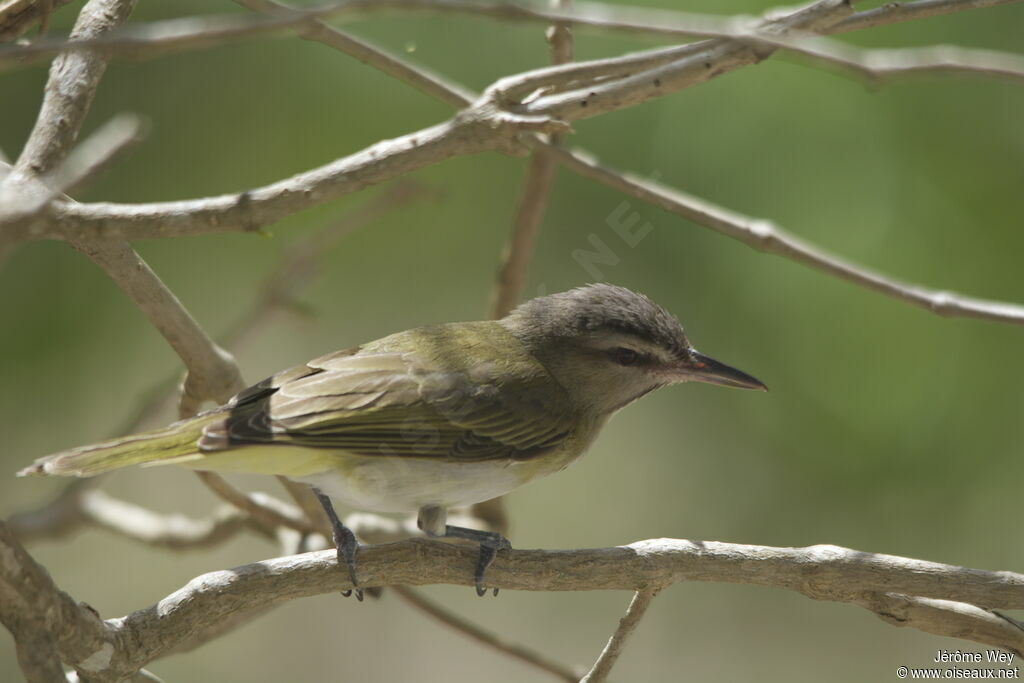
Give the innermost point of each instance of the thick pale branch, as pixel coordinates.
(44, 619)
(820, 572)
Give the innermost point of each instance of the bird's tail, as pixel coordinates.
(175, 441)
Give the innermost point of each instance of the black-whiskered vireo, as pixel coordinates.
(434, 417)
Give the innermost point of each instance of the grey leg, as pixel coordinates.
(432, 521)
(344, 540)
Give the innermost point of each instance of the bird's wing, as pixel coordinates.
(395, 404)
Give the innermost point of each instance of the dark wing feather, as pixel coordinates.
(392, 404)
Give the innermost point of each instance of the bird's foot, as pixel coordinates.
(345, 541)
(490, 543)
(347, 547)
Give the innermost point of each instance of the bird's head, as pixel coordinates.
(608, 346)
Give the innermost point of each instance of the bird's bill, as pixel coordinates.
(709, 370)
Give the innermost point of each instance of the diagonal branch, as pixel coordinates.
(764, 236)
(627, 624)
(492, 640)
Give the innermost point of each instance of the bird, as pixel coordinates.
(434, 417)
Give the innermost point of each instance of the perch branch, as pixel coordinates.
(819, 572)
(627, 624)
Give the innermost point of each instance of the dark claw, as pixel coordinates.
(488, 551)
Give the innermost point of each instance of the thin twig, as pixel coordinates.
(627, 624)
(765, 236)
(141, 40)
(895, 12)
(307, 501)
(260, 506)
(213, 374)
(488, 638)
(419, 77)
(883, 66)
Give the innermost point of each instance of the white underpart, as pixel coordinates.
(385, 484)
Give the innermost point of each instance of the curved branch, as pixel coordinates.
(819, 572)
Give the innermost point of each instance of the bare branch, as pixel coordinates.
(43, 619)
(162, 37)
(946, 618)
(212, 371)
(881, 66)
(473, 131)
(820, 572)
(18, 16)
(627, 624)
(419, 77)
(173, 532)
(764, 236)
(488, 638)
(895, 12)
(307, 501)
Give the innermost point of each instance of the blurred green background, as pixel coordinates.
(887, 429)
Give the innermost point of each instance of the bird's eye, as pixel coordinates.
(624, 356)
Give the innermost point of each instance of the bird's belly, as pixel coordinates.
(385, 484)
